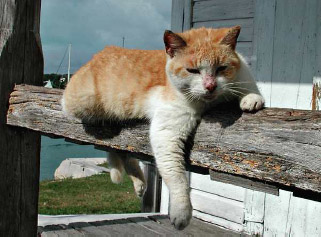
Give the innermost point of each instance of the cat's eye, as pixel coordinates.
(193, 70)
(220, 69)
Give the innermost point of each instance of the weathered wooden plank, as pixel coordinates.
(204, 183)
(127, 227)
(153, 226)
(188, 8)
(197, 228)
(316, 93)
(177, 17)
(87, 229)
(309, 45)
(217, 206)
(230, 225)
(246, 34)
(138, 226)
(151, 198)
(264, 21)
(222, 9)
(303, 218)
(164, 205)
(244, 182)
(108, 227)
(254, 205)
(281, 146)
(59, 231)
(276, 213)
(296, 22)
(246, 50)
(21, 61)
(181, 19)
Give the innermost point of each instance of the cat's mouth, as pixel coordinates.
(209, 97)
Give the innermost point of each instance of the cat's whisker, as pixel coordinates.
(239, 82)
(225, 97)
(236, 93)
(190, 96)
(241, 88)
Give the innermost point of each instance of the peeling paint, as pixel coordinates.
(316, 93)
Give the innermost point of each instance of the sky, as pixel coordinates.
(90, 25)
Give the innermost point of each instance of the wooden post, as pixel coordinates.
(21, 61)
(151, 199)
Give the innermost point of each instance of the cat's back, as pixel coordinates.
(114, 83)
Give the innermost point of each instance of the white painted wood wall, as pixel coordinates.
(252, 212)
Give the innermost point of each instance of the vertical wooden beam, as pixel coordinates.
(21, 61)
(316, 89)
(181, 18)
(188, 12)
(151, 199)
(263, 43)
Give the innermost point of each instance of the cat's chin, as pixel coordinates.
(208, 97)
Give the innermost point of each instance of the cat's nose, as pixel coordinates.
(209, 83)
(210, 86)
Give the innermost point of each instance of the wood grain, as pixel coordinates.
(243, 182)
(222, 10)
(246, 34)
(277, 146)
(21, 61)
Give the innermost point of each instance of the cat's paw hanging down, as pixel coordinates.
(180, 211)
(172, 89)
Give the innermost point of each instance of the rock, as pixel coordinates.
(80, 167)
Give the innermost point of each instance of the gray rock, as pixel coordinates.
(80, 167)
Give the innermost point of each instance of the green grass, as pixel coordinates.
(90, 195)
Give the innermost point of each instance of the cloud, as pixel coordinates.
(90, 25)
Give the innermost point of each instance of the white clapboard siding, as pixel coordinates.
(218, 221)
(222, 10)
(276, 213)
(286, 215)
(254, 212)
(217, 206)
(304, 218)
(204, 183)
(164, 199)
(246, 24)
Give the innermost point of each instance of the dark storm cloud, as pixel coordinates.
(90, 25)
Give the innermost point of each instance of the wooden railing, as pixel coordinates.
(279, 147)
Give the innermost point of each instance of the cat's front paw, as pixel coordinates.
(180, 212)
(252, 102)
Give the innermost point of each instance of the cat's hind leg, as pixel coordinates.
(119, 162)
(116, 164)
(136, 175)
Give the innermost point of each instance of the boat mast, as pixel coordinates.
(69, 51)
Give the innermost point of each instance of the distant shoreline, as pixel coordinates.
(54, 151)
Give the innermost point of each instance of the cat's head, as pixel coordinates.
(201, 62)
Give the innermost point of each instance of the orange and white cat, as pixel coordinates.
(171, 88)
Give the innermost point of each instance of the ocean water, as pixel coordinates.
(54, 151)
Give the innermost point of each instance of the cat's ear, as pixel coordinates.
(231, 37)
(173, 43)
